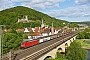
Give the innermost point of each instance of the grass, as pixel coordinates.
(85, 43)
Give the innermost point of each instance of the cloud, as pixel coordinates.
(5, 4)
(39, 4)
(71, 12)
(82, 1)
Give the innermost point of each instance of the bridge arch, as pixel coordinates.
(66, 44)
(73, 38)
(60, 49)
(70, 40)
(48, 57)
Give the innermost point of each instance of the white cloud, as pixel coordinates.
(39, 4)
(5, 4)
(82, 1)
(71, 12)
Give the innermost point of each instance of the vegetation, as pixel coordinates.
(85, 43)
(60, 57)
(85, 22)
(84, 35)
(75, 52)
(72, 25)
(11, 41)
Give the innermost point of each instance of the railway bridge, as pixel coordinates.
(44, 50)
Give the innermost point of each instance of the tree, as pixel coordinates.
(11, 41)
(84, 35)
(60, 57)
(75, 52)
(25, 36)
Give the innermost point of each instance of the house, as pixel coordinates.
(82, 26)
(36, 33)
(20, 30)
(56, 30)
(45, 31)
(6, 30)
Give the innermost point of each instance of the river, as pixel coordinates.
(88, 55)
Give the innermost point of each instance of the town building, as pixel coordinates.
(82, 26)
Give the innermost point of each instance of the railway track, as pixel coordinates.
(40, 48)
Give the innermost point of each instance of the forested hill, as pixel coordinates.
(84, 22)
(10, 17)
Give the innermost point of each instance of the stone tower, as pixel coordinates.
(52, 29)
(26, 17)
(42, 25)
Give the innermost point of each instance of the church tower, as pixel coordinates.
(52, 29)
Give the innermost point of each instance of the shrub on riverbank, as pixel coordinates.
(76, 52)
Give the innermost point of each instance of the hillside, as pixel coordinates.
(84, 22)
(10, 17)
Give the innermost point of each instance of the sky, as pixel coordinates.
(69, 10)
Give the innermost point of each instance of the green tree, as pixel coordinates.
(75, 52)
(25, 36)
(11, 41)
(85, 34)
(60, 57)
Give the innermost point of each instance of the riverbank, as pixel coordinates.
(85, 43)
(87, 48)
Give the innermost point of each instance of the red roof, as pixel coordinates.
(19, 30)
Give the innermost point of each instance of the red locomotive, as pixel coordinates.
(28, 43)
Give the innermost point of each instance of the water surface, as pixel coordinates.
(88, 55)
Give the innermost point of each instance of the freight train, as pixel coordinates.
(31, 42)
